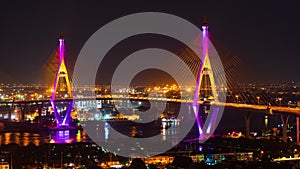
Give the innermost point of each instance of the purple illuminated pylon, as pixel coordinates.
(205, 68)
(62, 73)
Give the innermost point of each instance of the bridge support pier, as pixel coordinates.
(297, 130)
(285, 121)
(10, 111)
(40, 106)
(247, 119)
(266, 121)
(22, 119)
(24, 109)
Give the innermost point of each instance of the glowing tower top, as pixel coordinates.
(205, 24)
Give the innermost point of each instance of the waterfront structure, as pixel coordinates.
(206, 89)
(62, 88)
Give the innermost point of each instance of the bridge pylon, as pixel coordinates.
(62, 89)
(205, 80)
(205, 84)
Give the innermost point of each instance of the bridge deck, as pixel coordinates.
(271, 109)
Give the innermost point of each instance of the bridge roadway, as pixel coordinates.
(270, 109)
(285, 112)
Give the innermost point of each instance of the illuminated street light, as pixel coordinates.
(258, 99)
(237, 98)
(279, 99)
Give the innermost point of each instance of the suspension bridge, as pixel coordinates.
(62, 99)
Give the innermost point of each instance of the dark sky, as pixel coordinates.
(264, 35)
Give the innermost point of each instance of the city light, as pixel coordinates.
(44, 125)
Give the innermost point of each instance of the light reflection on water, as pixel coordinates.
(103, 131)
(22, 139)
(25, 139)
(66, 135)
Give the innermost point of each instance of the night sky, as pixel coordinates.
(263, 35)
